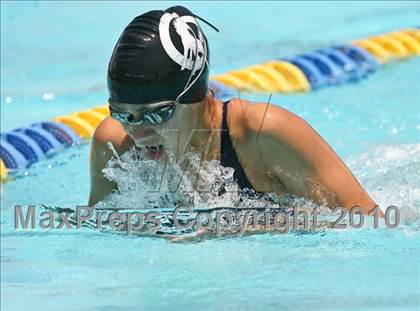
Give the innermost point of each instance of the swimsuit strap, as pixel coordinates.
(228, 157)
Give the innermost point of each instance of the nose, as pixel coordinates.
(141, 132)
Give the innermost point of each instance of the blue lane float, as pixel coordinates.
(352, 71)
(24, 146)
(47, 142)
(328, 68)
(364, 60)
(312, 72)
(64, 134)
(336, 65)
(11, 157)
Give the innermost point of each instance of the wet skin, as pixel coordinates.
(278, 150)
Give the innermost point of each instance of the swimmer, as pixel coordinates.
(158, 79)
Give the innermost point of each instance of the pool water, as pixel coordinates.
(374, 125)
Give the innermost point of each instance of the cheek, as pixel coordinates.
(133, 132)
(128, 130)
(176, 122)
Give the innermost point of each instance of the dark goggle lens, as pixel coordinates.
(156, 116)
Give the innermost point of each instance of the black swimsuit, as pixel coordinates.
(228, 157)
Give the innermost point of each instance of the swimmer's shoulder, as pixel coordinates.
(110, 130)
(250, 118)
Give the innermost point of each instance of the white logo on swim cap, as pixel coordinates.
(192, 46)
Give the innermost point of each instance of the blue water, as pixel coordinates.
(374, 125)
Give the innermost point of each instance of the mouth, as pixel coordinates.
(153, 148)
(153, 152)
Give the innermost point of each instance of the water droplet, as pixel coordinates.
(48, 96)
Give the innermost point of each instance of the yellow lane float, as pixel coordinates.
(104, 110)
(275, 82)
(231, 81)
(376, 49)
(3, 171)
(415, 33)
(82, 128)
(411, 44)
(274, 76)
(253, 81)
(293, 75)
(92, 117)
(397, 44)
(85, 122)
(392, 45)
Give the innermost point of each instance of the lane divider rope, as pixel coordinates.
(335, 65)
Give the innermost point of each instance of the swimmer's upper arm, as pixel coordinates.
(108, 130)
(298, 157)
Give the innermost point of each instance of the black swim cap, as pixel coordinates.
(156, 56)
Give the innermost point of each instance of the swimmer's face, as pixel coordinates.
(132, 119)
(145, 123)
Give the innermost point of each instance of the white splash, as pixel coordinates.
(391, 175)
(388, 173)
(144, 183)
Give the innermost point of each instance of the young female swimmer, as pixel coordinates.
(158, 79)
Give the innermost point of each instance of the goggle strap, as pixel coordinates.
(203, 20)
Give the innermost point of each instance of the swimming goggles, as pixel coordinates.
(156, 113)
